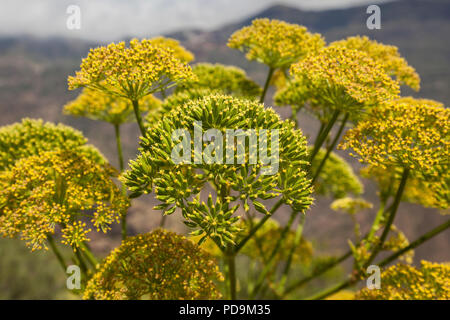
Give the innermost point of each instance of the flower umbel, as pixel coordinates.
(180, 52)
(409, 135)
(130, 72)
(156, 265)
(388, 56)
(31, 137)
(342, 79)
(179, 185)
(228, 80)
(275, 43)
(57, 189)
(404, 282)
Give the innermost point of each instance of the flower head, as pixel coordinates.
(341, 79)
(180, 52)
(31, 137)
(388, 56)
(160, 265)
(177, 185)
(130, 72)
(404, 282)
(228, 80)
(54, 190)
(98, 105)
(405, 134)
(275, 43)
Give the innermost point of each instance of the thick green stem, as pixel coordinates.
(323, 136)
(259, 225)
(266, 85)
(230, 257)
(427, 236)
(162, 222)
(57, 253)
(137, 113)
(330, 148)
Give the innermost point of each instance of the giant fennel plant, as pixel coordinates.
(200, 159)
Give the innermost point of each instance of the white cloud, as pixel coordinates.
(113, 19)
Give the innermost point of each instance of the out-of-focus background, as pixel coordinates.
(38, 52)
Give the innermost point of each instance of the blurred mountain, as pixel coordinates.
(33, 83)
(417, 27)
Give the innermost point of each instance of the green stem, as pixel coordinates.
(162, 222)
(330, 148)
(123, 218)
(322, 137)
(266, 85)
(88, 254)
(230, 257)
(259, 225)
(80, 259)
(137, 113)
(427, 236)
(270, 262)
(119, 146)
(57, 253)
(337, 261)
(297, 239)
(317, 273)
(387, 228)
(376, 222)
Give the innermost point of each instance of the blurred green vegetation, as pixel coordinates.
(26, 275)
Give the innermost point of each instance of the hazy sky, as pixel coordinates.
(112, 19)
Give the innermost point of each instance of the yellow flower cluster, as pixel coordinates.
(343, 79)
(409, 135)
(98, 105)
(388, 56)
(275, 43)
(180, 52)
(130, 72)
(30, 137)
(403, 282)
(228, 80)
(55, 189)
(160, 265)
(396, 242)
